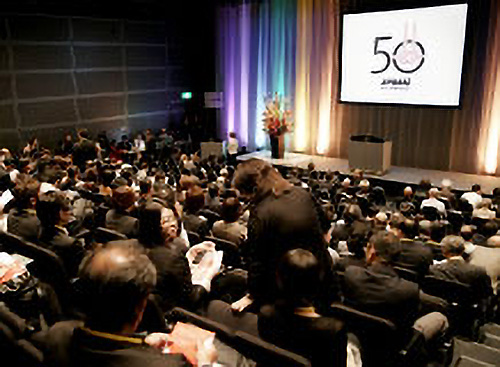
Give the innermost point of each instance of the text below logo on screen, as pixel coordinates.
(407, 57)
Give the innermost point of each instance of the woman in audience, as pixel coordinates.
(118, 218)
(54, 213)
(229, 228)
(293, 322)
(193, 222)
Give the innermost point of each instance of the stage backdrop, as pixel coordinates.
(291, 47)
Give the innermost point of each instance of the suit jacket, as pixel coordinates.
(379, 291)
(321, 340)
(194, 223)
(489, 259)
(458, 270)
(69, 249)
(68, 344)
(174, 285)
(123, 223)
(24, 223)
(414, 256)
(233, 232)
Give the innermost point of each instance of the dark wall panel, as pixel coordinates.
(4, 58)
(35, 28)
(142, 32)
(147, 102)
(99, 82)
(42, 57)
(96, 30)
(46, 113)
(44, 85)
(146, 56)
(150, 79)
(92, 108)
(5, 87)
(98, 56)
(7, 117)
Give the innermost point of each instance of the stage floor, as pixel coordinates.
(460, 181)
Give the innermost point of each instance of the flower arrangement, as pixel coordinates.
(277, 120)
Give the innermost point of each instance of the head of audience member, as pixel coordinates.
(476, 188)
(83, 134)
(424, 229)
(380, 220)
(25, 191)
(346, 183)
(195, 200)
(409, 228)
(437, 231)
(123, 198)
(158, 225)
(467, 232)
(433, 193)
(255, 179)
(213, 190)
(383, 247)
(408, 193)
(452, 246)
(352, 213)
(53, 210)
(230, 210)
(299, 277)
(364, 186)
(485, 204)
(117, 279)
(489, 229)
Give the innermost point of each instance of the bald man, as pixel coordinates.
(432, 201)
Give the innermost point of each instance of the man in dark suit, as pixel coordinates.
(117, 280)
(378, 290)
(414, 254)
(119, 218)
(457, 270)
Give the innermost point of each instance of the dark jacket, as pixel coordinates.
(25, 224)
(321, 340)
(379, 291)
(414, 256)
(462, 272)
(278, 224)
(68, 344)
(173, 285)
(123, 223)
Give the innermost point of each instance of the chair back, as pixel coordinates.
(266, 354)
(453, 292)
(211, 216)
(430, 213)
(193, 237)
(407, 274)
(47, 266)
(105, 235)
(231, 251)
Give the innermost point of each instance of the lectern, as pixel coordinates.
(370, 154)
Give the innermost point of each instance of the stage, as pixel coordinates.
(460, 181)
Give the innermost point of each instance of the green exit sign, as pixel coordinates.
(187, 95)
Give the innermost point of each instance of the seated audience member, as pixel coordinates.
(474, 196)
(483, 210)
(378, 290)
(433, 201)
(488, 259)
(486, 234)
(293, 322)
(117, 280)
(118, 218)
(456, 269)
(55, 213)
(22, 219)
(159, 233)
(212, 200)
(413, 255)
(195, 201)
(229, 228)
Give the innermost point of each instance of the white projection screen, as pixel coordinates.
(411, 56)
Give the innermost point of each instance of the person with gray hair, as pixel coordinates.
(433, 201)
(457, 270)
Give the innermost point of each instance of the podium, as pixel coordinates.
(370, 154)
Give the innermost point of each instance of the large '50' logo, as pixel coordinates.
(408, 56)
